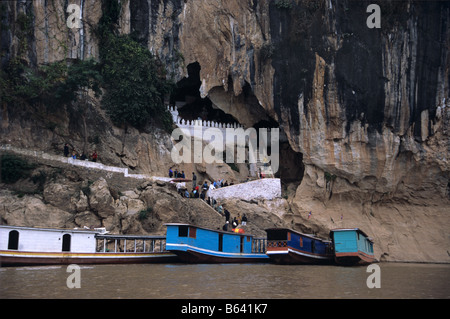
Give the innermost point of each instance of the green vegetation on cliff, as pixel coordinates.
(45, 85)
(13, 168)
(133, 80)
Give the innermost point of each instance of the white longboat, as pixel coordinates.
(47, 246)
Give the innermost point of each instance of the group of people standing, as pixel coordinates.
(230, 224)
(236, 223)
(204, 192)
(177, 174)
(76, 155)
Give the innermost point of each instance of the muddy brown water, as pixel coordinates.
(226, 281)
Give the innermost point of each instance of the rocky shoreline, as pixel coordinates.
(77, 197)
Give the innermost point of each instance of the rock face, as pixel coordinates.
(77, 197)
(366, 108)
(364, 112)
(101, 203)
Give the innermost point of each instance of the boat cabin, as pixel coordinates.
(231, 242)
(47, 240)
(352, 246)
(198, 244)
(351, 240)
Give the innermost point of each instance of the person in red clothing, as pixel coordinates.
(94, 156)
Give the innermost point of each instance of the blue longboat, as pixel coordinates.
(352, 247)
(286, 246)
(195, 244)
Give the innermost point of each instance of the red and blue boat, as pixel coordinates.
(286, 246)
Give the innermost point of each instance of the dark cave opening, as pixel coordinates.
(191, 106)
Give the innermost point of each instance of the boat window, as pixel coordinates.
(13, 240)
(220, 242)
(313, 246)
(242, 244)
(277, 234)
(66, 242)
(183, 231)
(192, 232)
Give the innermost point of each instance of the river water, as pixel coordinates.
(226, 281)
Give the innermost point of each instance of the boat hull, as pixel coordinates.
(354, 259)
(290, 256)
(286, 246)
(9, 258)
(193, 255)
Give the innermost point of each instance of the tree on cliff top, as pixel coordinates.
(135, 82)
(135, 85)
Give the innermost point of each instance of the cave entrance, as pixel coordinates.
(190, 105)
(248, 112)
(268, 125)
(291, 168)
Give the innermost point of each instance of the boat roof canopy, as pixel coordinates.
(130, 237)
(71, 230)
(354, 229)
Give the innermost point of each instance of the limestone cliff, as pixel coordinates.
(366, 109)
(364, 112)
